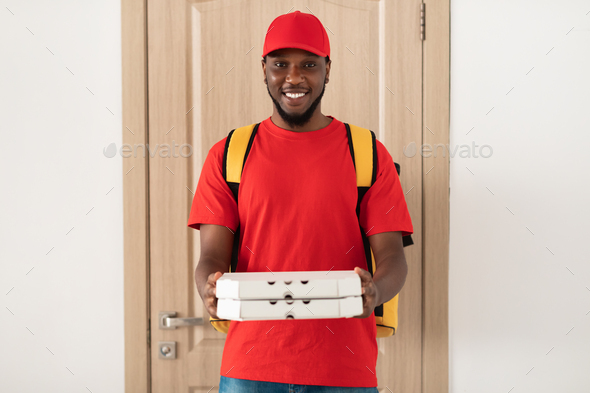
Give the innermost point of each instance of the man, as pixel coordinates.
(297, 212)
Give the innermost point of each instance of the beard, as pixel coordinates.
(297, 119)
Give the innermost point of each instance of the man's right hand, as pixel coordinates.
(209, 295)
(216, 251)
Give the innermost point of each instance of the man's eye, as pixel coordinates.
(308, 64)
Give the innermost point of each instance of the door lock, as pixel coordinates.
(167, 350)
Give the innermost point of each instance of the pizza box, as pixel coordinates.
(252, 310)
(289, 285)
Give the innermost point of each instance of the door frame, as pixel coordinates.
(136, 197)
(435, 200)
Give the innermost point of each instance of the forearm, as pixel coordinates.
(390, 277)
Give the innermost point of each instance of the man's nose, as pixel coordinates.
(294, 75)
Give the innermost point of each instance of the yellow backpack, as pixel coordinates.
(363, 150)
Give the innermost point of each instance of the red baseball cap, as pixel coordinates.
(297, 30)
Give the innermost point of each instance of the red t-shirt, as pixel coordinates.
(297, 200)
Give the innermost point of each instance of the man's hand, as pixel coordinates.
(209, 294)
(370, 292)
(216, 248)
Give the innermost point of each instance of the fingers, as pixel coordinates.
(360, 270)
(213, 277)
(212, 281)
(211, 306)
(368, 290)
(363, 274)
(210, 300)
(366, 280)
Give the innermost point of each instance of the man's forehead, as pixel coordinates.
(288, 52)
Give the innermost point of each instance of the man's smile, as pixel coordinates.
(295, 99)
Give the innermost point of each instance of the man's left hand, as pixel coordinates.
(369, 291)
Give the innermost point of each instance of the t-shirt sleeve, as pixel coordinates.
(383, 208)
(213, 202)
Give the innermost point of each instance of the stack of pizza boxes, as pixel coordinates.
(250, 296)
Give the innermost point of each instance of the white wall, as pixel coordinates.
(519, 248)
(61, 232)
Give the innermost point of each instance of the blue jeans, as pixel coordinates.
(236, 385)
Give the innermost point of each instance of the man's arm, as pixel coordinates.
(216, 249)
(391, 267)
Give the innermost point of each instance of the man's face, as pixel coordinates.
(298, 71)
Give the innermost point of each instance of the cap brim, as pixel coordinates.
(297, 45)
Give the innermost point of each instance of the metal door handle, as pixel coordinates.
(168, 321)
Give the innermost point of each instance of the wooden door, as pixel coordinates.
(204, 79)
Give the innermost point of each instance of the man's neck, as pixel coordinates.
(314, 124)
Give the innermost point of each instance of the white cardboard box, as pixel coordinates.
(286, 285)
(244, 310)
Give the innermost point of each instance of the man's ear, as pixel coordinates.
(263, 69)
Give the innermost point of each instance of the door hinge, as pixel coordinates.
(422, 21)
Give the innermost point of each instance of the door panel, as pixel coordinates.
(205, 79)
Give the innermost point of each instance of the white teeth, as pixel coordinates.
(291, 95)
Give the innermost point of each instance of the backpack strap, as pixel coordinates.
(363, 150)
(237, 147)
(406, 240)
(362, 146)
